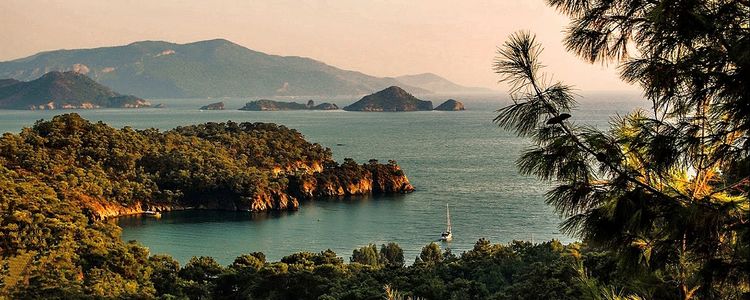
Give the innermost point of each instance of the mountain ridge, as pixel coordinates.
(210, 68)
(438, 84)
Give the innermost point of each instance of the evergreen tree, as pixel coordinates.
(367, 255)
(661, 188)
(391, 255)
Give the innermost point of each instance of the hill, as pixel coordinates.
(391, 99)
(437, 84)
(127, 171)
(57, 90)
(451, 105)
(212, 68)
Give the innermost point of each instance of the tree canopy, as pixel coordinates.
(666, 189)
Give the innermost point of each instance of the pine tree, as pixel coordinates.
(664, 189)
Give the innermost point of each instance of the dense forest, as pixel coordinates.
(249, 166)
(61, 178)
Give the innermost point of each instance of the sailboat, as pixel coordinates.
(447, 236)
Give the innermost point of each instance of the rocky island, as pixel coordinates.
(271, 105)
(451, 105)
(63, 90)
(229, 166)
(389, 100)
(213, 106)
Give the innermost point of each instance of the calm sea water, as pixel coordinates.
(456, 158)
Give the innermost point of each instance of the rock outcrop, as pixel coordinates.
(323, 106)
(213, 106)
(101, 209)
(351, 179)
(451, 105)
(348, 179)
(391, 99)
(274, 200)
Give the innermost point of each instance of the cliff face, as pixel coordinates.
(351, 179)
(306, 182)
(389, 179)
(101, 209)
(348, 179)
(273, 200)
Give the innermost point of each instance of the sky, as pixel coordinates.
(457, 40)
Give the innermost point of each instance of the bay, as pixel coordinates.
(456, 158)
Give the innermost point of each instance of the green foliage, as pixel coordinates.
(254, 260)
(519, 270)
(59, 178)
(391, 255)
(250, 165)
(165, 274)
(661, 189)
(201, 269)
(366, 255)
(430, 255)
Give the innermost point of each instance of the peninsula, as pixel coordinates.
(63, 90)
(228, 166)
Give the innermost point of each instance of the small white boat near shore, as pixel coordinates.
(151, 213)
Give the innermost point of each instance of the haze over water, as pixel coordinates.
(458, 158)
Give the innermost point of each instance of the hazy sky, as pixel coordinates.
(454, 39)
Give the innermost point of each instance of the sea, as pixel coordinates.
(457, 159)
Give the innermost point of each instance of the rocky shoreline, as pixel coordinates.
(349, 179)
(256, 167)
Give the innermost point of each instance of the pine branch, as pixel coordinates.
(522, 71)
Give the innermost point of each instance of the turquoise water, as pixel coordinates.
(458, 158)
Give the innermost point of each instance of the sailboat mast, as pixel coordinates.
(448, 217)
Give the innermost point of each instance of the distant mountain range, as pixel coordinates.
(56, 90)
(437, 84)
(213, 68)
